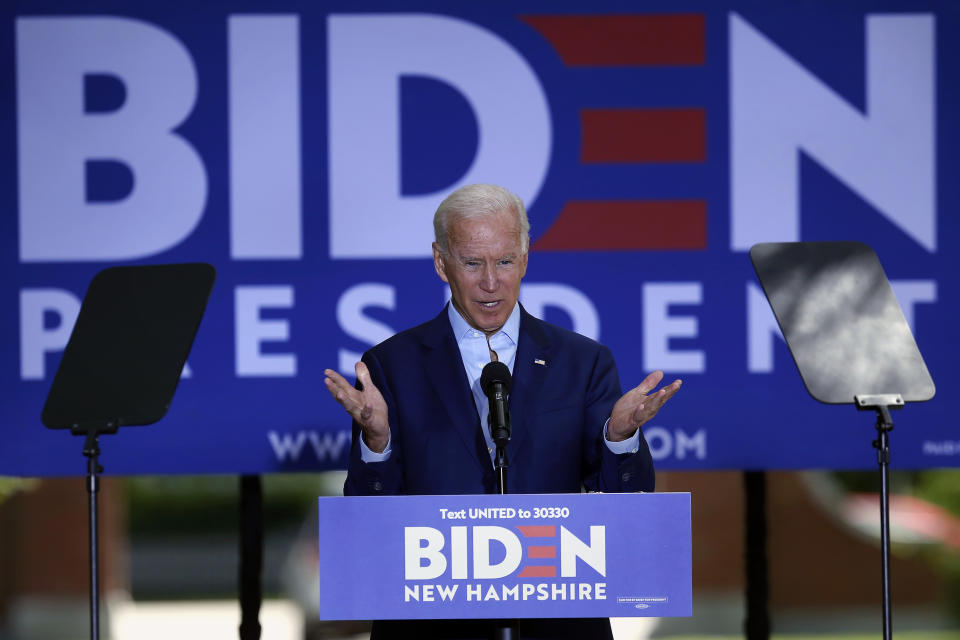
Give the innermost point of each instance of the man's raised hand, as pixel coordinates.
(367, 407)
(638, 406)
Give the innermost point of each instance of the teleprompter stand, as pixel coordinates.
(850, 341)
(122, 365)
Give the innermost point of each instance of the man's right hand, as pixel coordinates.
(366, 407)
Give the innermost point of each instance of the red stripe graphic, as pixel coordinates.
(627, 225)
(625, 40)
(535, 551)
(538, 572)
(538, 530)
(643, 135)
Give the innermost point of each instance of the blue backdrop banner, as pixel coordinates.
(302, 150)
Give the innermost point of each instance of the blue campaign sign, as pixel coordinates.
(512, 556)
(303, 150)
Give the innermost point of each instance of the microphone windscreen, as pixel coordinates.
(495, 372)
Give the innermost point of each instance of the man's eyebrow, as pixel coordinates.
(464, 257)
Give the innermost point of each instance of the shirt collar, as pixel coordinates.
(461, 330)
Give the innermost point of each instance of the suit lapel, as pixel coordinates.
(444, 369)
(534, 356)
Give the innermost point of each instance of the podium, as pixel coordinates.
(509, 556)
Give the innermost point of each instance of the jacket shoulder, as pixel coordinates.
(403, 342)
(560, 337)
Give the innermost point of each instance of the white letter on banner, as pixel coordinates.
(251, 331)
(57, 138)
(35, 340)
(482, 537)
(761, 328)
(572, 547)
(911, 292)
(697, 443)
(414, 552)
(352, 322)
(265, 185)
(458, 553)
(367, 56)
(778, 108)
(659, 326)
(660, 442)
(536, 297)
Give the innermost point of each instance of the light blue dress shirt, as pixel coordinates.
(475, 353)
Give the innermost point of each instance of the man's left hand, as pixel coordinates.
(638, 406)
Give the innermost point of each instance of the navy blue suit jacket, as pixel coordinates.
(564, 387)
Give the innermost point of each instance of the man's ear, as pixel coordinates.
(438, 263)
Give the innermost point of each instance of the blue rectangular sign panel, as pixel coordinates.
(302, 150)
(513, 556)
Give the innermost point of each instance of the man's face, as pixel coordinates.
(484, 268)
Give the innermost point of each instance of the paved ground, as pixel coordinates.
(205, 620)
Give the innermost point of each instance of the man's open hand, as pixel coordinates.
(366, 407)
(638, 406)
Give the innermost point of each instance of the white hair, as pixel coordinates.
(474, 201)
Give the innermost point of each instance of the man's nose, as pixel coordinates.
(488, 280)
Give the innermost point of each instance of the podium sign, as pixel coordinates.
(513, 556)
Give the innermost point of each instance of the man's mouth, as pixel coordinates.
(490, 305)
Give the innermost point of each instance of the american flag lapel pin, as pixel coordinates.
(540, 362)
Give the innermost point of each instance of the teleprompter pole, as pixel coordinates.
(882, 404)
(251, 556)
(91, 450)
(757, 622)
(882, 444)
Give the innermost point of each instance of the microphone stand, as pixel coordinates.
(496, 382)
(500, 464)
(501, 437)
(504, 629)
(499, 423)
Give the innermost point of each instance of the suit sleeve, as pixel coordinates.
(376, 478)
(604, 470)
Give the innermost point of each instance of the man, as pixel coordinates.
(420, 416)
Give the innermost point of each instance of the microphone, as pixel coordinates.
(495, 380)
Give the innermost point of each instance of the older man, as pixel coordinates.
(420, 416)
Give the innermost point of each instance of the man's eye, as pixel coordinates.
(506, 261)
